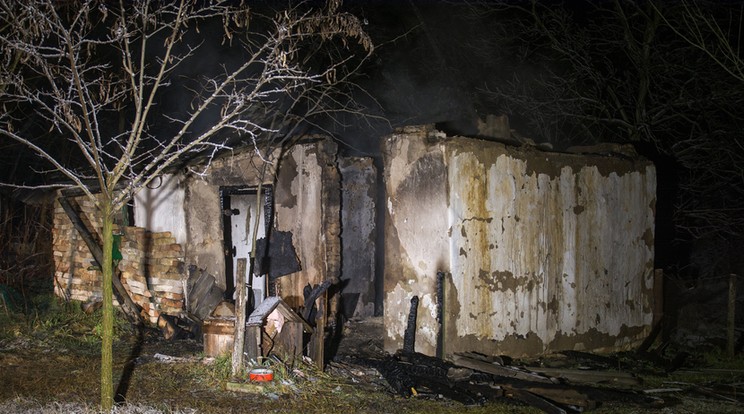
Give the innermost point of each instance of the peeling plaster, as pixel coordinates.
(416, 229)
(517, 271)
(159, 207)
(359, 232)
(298, 210)
(542, 247)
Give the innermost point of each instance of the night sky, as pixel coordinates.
(580, 73)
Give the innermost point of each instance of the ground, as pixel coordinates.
(49, 363)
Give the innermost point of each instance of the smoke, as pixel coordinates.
(432, 62)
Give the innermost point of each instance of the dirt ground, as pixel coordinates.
(42, 371)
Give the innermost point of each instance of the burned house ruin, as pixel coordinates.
(539, 251)
(536, 251)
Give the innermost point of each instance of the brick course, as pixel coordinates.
(149, 268)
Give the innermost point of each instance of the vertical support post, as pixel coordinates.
(731, 322)
(239, 337)
(440, 314)
(409, 337)
(321, 320)
(252, 346)
(658, 296)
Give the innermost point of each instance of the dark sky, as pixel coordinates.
(427, 68)
(424, 70)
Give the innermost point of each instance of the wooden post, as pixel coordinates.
(658, 296)
(252, 346)
(731, 322)
(440, 314)
(239, 337)
(409, 336)
(321, 319)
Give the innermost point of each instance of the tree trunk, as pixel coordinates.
(107, 383)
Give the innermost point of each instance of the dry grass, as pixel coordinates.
(49, 363)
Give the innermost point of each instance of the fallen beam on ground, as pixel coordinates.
(502, 371)
(589, 376)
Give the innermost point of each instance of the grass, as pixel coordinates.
(58, 322)
(49, 363)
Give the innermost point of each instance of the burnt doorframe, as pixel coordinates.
(227, 246)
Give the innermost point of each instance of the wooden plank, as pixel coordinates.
(202, 286)
(497, 369)
(239, 338)
(658, 296)
(289, 340)
(710, 393)
(252, 343)
(320, 330)
(731, 317)
(721, 371)
(588, 376)
(535, 401)
(564, 396)
(209, 301)
(663, 390)
(491, 359)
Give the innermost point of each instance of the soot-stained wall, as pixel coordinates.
(358, 234)
(306, 185)
(543, 251)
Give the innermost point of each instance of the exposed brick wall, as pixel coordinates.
(150, 271)
(73, 277)
(150, 268)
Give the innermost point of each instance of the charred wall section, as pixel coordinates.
(203, 211)
(544, 251)
(358, 235)
(304, 180)
(181, 222)
(416, 234)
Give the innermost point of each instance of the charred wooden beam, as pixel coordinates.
(316, 316)
(410, 374)
(651, 338)
(396, 375)
(440, 314)
(311, 295)
(508, 372)
(564, 397)
(535, 400)
(590, 376)
(731, 317)
(409, 337)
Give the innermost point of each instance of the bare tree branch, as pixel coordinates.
(100, 75)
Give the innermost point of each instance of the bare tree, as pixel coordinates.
(97, 75)
(718, 38)
(618, 72)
